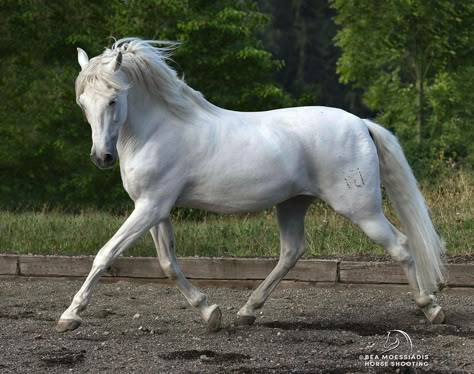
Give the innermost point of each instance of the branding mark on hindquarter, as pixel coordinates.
(354, 177)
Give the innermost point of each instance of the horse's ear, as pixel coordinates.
(115, 64)
(82, 58)
(118, 61)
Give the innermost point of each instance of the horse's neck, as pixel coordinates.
(148, 115)
(145, 116)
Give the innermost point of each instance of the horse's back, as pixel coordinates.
(256, 160)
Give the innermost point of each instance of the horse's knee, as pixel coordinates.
(170, 270)
(290, 258)
(101, 263)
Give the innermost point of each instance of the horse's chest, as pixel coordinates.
(129, 187)
(132, 182)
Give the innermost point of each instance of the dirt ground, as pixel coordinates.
(149, 328)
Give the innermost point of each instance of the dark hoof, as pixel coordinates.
(214, 321)
(246, 320)
(67, 325)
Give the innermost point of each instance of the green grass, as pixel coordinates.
(327, 234)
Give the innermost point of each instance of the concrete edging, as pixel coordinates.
(224, 271)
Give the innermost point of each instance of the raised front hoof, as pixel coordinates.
(214, 319)
(67, 325)
(243, 320)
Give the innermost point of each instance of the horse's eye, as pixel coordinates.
(112, 102)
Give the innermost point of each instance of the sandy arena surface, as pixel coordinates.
(149, 328)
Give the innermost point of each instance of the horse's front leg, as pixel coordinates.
(142, 218)
(163, 237)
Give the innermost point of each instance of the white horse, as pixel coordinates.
(177, 149)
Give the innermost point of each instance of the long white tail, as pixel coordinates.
(425, 245)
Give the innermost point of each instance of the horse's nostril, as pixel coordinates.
(108, 158)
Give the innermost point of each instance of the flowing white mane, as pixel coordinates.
(145, 65)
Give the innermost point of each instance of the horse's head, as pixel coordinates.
(101, 92)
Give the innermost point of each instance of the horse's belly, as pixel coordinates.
(237, 195)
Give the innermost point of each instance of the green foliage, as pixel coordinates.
(412, 58)
(219, 53)
(45, 158)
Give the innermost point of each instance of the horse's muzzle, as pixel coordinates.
(105, 161)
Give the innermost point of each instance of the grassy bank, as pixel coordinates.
(54, 232)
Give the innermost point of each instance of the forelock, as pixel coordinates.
(96, 74)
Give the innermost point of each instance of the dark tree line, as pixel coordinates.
(301, 33)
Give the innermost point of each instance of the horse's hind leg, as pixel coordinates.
(163, 237)
(290, 215)
(381, 231)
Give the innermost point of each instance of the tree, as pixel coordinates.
(44, 160)
(401, 53)
(219, 54)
